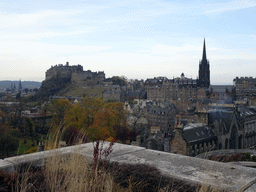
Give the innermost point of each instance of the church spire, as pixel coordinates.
(204, 52)
(204, 70)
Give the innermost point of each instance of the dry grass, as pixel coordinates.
(75, 173)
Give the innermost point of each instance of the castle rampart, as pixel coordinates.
(75, 73)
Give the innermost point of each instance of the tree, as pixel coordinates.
(35, 90)
(26, 90)
(102, 127)
(3, 117)
(58, 109)
(72, 136)
(122, 133)
(119, 80)
(8, 144)
(15, 116)
(30, 126)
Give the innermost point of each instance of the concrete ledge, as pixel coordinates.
(244, 163)
(6, 166)
(194, 170)
(225, 152)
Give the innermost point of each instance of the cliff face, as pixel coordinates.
(51, 87)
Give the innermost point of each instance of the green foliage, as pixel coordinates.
(30, 126)
(29, 98)
(254, 158)
(8, 144)
(248, 155)
(24, 145)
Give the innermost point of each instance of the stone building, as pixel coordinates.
(113, 95)
(162, 89)
(193, 139)
(245, 86)
(224, 127)
(75, 73)
(220, 92)
(161, 114)
(122, 94)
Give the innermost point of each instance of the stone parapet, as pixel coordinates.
(193, 170)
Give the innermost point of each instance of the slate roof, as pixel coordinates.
(137, 93)
(157, 110)
(244, 111)
(220, 88)
(118, 91)
(223, 114)
(196, 132)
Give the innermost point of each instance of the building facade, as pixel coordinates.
(75, 73)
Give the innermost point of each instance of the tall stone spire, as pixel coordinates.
(204, 70)
(20, 86)
(204, 52)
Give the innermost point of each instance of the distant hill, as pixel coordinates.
(25, 84)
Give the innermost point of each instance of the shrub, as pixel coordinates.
(8, 144)
(142, 177)
(31, 150)
(254, 158)
(248, 155)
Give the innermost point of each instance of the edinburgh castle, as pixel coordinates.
(76, 74)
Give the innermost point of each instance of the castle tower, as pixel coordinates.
(204, 70)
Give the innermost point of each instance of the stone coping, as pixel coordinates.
(194, 170)
(225, 152)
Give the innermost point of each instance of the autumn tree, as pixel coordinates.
(102, 127)
(58, 109)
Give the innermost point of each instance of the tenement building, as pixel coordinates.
(181, 87)
(245, 87)
(187, 92)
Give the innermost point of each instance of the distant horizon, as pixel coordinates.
(128, 79)
(136, 39)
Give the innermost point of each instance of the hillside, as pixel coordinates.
(63, 87)
(78, 91)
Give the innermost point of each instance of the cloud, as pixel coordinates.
(230, 6)
(29, 47)
(49, 17)
(38, 36)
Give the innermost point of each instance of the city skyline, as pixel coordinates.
(136, 39)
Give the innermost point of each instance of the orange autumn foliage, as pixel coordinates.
(93, 117)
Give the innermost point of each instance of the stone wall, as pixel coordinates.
(178, 144)
(190, 169)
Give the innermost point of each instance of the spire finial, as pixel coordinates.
(204, 51)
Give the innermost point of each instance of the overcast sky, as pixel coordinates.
(134, 38)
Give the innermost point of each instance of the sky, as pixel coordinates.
(138, 39)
